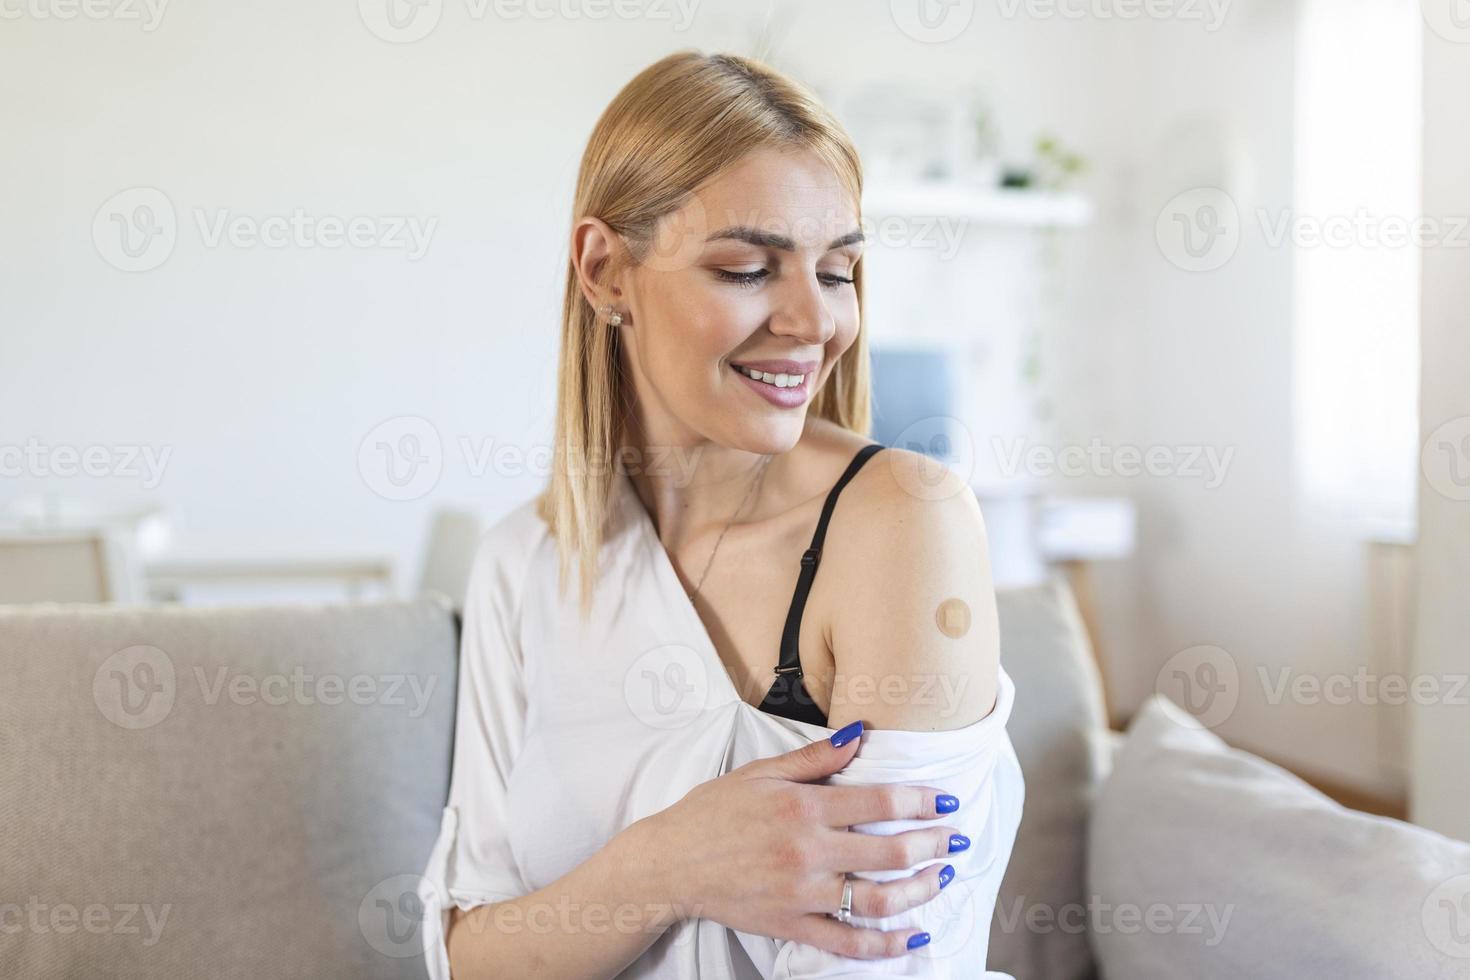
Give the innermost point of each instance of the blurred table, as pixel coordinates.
(170, 576)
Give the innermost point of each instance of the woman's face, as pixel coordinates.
(756, 269)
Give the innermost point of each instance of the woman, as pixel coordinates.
(634, 791)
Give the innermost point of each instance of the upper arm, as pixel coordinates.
(471, 862)
(913, 627)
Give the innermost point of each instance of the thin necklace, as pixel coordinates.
(759, 478)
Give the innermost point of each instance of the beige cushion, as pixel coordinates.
(162, 818)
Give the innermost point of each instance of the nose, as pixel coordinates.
(801, 311)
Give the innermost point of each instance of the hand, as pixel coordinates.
(762, 851)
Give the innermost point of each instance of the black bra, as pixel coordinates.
(788, 696)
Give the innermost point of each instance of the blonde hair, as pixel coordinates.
(675, 126)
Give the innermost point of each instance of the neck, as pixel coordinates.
(696, 486)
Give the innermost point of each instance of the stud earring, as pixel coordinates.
(614, 318)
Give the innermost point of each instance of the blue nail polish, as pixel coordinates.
(946, 875)
(944, 803)
(958, 842)
(918, 939)
(844, 735)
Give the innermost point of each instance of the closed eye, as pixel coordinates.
(829, 279)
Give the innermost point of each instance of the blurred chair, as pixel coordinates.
(95, 565)
(453, 537)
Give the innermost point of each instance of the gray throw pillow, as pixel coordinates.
(1207, 862)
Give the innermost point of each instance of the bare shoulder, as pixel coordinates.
(912, 618)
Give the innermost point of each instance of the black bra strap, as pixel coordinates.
(790, 647)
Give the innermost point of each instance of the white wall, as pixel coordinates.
(1440, 774)
(263, 370)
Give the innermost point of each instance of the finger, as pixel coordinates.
(813, 761)
(852, 851)
(881, 899)
(844, 806)
(861, 944)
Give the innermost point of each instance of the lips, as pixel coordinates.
(780, 366)
(791, 397)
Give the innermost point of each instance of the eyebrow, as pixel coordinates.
(769, 239)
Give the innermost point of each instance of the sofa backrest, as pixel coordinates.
(253, 792)
(1059, 729)
(220, 792)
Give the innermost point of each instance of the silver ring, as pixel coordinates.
(844, 911)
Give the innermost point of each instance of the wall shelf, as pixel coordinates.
(987, 205)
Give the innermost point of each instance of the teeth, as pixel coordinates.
(778, 380)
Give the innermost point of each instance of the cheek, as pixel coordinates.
(695, 329)
(846, 322)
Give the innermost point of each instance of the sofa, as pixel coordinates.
(251, 792)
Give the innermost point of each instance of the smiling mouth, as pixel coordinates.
(774, 380)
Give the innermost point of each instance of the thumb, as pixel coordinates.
(815, 759)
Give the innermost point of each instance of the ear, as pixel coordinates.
(596, 249)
